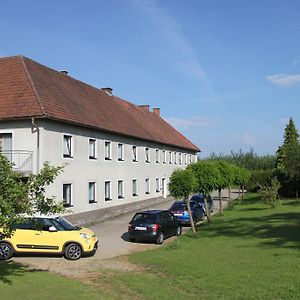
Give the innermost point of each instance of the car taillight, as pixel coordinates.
(129, 227)
(155, 227)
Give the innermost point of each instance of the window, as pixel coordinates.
(67, 194)
(134, 153)
(170, 157)
(92, 192)
(147, 182)
(180, 158)
(157, 185)
(67, 146)
(164, 156)
(107, 150)
(134, 187)
(120, 152)
(107, 191)
(147, 155)
(120, 189)
(92, 149)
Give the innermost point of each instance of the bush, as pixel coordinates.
(269, 193)
(258, 179)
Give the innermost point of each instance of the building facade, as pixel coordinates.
(114, 152)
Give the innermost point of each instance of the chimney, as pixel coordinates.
(145, 107)
(156, 111)
(65, 72)
(108, 90)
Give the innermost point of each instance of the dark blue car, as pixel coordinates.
(199, 198)
(180, 211)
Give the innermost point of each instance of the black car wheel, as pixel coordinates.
(178, 231)
(73, 251)
(160, 239)
(6, 251)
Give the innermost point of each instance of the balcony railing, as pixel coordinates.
(21, 160)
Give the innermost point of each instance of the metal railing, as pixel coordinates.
(22, 160)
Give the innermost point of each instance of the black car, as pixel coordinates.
(153, 225)
(180, 211)
(199, 198)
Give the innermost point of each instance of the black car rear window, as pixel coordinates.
(144, 217)
(178, 206)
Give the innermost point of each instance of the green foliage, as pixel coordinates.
(182, 183)
(207, 176)
(269, 193)
(241, 176)
(18, 196)
(259, 178)
(248, 160)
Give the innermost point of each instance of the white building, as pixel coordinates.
(116, 152)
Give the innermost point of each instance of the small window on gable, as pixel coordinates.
(67, 146)
(67, 194)
(120, 152)
(107, 150)
(147, 155)
(134, 153)
(92, 149)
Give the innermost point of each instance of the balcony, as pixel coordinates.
(21, 160)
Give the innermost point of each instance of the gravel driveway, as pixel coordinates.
(112, 235)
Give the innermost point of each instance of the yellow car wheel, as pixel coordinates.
(6, 251)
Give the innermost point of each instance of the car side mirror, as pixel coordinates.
(52, 229)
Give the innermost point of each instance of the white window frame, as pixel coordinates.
(175, 158)
(120, 151)
(147, 155)
(135, 187)
(134, 153)
(157, 183)
(180, 158)
(170, 157)
(92, 183)
(107, 156)
(147, 186)
(109, 190)
(121, 195)
(68, 203)
(70, 146)
(93, 148)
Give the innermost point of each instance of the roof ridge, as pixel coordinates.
(21, 57)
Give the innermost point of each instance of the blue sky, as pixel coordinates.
(225, 73)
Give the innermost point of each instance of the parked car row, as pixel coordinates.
(156, 225)
(55, 235)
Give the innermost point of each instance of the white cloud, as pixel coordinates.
(246, 138)
(284, 79)
(183, 124)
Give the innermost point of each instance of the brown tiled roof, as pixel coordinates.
(29, 89)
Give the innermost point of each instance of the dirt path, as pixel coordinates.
(113, 243)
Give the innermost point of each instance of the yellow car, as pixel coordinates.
(49, 234)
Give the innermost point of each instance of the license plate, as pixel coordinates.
(178, 215)
(140, 228)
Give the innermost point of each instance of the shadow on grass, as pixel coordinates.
(10, 268)
(274, 230)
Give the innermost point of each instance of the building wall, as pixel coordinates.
(80, 170)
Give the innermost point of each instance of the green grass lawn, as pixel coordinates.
(252, 252)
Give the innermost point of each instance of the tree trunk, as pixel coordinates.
(239, 191)
(207, 210)
(243, 191)
(191, 216)
(220, 202)
(229, 194)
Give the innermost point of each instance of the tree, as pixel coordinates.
(182, 184)
(241, 176)
(269, 193)
(18, 196)
(206, 174)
